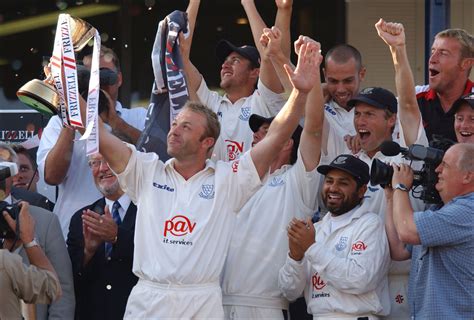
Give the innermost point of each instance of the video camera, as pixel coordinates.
(7, 169)
(381, 173)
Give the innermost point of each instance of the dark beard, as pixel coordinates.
(345, 207)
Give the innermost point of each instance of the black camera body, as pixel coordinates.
(107, 77)
(13, 210)
(381, 173)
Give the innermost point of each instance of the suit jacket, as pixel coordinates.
(33, 198)
(103, 285)
(50, 237)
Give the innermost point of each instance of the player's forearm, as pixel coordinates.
(59, 157)
(278, 61)
(121, 127)
(403, 218)
(397, 247)
(283, 22)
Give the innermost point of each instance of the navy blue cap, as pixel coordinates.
(350, 164)
(224, 48)
(469, 99)
(377, 97)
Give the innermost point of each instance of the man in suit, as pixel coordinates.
(100, 244)
(49, 236)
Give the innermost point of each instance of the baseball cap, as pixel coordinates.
(469, 99)
(224, 48)
(256, 121)
(377, 97)
(350, 164)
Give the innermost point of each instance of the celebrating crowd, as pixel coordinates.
(269, 196)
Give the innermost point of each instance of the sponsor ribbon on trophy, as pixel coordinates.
(64, 72)
(92, 129)
(64, 62)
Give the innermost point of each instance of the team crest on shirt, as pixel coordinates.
(234, 149)
(276, 181)
(245, 114)
(342, 244)
(207, 191)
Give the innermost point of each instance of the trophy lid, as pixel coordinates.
(81, 32)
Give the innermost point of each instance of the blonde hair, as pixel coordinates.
(465, 39)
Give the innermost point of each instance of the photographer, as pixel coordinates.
(37, 283)
(49, 237)
(441, 241)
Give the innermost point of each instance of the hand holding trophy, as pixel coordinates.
(62, 98)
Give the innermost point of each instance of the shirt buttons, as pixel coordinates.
(108, 287)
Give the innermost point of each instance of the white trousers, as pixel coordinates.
(249, 313)
(150, 300)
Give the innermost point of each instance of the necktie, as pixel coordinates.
(118, 221)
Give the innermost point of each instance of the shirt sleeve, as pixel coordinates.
(48, 140)
(210, 99)
(364, 266)
(452, 224)
(266, 102)
(29, 283)
(292, 278)
(243, 180)
(56, 251)
(306, 183)
(139, 171)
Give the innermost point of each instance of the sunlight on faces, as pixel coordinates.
(340, 193)
(104, 179)
(464, 124)
(237, 71)
(186, 136)
(343, 80)
(372, 126)
(449, 176)
(445, 63)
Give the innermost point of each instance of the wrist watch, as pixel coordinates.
(33, 243)
(401, 186)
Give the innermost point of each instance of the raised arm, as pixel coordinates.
(283, 22)
(58, 159)
(284, 124)
(271, 41)
(310, 142)
(398, 252)
(193, 76)
(403, 217)
(267, 74)
(394, 36)
(115, 152)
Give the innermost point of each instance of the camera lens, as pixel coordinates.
(380, 173)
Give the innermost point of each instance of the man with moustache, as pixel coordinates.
(439, 241)
(100, 244)
(340, 262)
